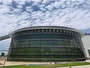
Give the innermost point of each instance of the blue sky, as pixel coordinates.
(16, 14)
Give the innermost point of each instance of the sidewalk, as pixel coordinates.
(13, 63)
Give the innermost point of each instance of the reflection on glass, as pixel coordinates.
(47, 46)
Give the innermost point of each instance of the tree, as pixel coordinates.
(2, 54)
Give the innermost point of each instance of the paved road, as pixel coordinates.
(84, 66)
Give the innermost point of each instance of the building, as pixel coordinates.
(86, 43)
(46, 43)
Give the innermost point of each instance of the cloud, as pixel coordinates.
(16, 14)
(23, 13)
(6, 1)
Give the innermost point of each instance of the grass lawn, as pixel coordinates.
(48, 66)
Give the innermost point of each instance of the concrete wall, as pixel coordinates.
(4, 37)
(86, 43)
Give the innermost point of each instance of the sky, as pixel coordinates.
(15, 14)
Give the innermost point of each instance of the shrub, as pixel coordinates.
(2, 54)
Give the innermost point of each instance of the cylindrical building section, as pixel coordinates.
(46, 43)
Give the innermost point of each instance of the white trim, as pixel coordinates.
(46, 27)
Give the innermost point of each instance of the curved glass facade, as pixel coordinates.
(46, 45)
